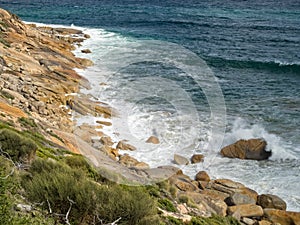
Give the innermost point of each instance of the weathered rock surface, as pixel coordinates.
(254, 149)
(271, 201)
(246, 210)
(282, 217)
(239, 199)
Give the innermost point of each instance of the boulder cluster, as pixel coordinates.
(205, 197)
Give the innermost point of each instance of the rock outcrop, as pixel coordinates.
(254, 149)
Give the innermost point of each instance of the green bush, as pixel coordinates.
(27, 122)
(20, 149)
(56, 183)
(5, 204)
(166, 204)
(214, 220)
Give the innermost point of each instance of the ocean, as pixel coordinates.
(198, 75)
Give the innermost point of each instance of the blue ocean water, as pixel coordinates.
(252, 47)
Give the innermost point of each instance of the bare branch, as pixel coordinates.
(49, 206)
(115, 222)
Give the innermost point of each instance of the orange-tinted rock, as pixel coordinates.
(254, 149)
(125, 146)
(264, 222)
(106, 140)
(105, 123)
(282, 217)
(202, 176)
(13, 111)
(247, 210)
(128, 161)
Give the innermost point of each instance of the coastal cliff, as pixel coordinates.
(39, 93)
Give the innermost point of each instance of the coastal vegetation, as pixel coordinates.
(65, 189)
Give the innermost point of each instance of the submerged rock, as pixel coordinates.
(254, 149)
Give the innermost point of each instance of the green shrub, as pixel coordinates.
(214, 220)
(166, 204)
(27, 122)
(80, 163)
(20, 149)
(6, 94)
(174, 221)
(5, 204)
(56, 183)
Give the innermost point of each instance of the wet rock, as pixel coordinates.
(254, 149)
(86, 51)
(197, 158)
(105, 123)
(271, 201)
(180, 160)
(153, 140)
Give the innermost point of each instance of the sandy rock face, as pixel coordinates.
(254, 149)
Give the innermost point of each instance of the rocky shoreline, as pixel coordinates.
(38, 83)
